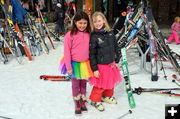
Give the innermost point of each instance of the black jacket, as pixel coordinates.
(103, 49)
(59, 16)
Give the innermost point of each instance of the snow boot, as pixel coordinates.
(78, 107)
(110, 100)
(98, 106)
(83, 105)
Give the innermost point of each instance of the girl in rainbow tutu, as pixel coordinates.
(76, 59)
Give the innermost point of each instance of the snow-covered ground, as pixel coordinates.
(24, 96)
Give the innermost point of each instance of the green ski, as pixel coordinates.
(127, 79)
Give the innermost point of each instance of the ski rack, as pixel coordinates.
(133, 28)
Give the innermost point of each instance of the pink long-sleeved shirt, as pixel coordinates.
(175, 26)
(76, 48)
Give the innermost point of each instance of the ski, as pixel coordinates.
(127, 79)
(132, 43)
(55, 78)
(165, 92)
(152, 45)
(44, 25)
(23, 42)
(139, 90)
(55, 36)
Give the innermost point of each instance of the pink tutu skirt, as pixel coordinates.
(109, 76)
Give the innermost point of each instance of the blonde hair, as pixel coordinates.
(95, 14)
(177, 19)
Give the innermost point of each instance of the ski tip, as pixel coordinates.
(41, 77)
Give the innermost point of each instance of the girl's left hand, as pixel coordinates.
(117, 66)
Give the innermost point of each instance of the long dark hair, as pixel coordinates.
(80, 15)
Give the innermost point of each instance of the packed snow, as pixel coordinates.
(24, 96)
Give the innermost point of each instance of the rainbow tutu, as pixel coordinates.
(80, 70)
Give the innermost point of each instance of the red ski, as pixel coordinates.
(24, 43)
(55, 78)
(44, 24)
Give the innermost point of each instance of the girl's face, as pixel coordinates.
(98, 22)
(81, 24)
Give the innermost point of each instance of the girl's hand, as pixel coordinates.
(69, 72)
(96, 74)
(117, 66)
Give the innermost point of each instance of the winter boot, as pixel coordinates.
(98, 106)
(83, 103)
(110, 100)
(78, 107)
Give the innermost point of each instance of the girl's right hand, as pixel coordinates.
(69, 72)
(96, 74)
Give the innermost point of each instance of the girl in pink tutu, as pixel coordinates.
(104, 58)
(76, 59)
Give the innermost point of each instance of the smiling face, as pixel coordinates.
(81, 24)
(98, 22)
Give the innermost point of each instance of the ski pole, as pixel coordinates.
(129, 112)
(176, 83)
(162, 68)
(5, 117)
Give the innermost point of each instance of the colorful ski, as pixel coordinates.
(24, 43)
(127, 79)
(55, 78)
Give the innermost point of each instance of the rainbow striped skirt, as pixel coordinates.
(80, 70)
